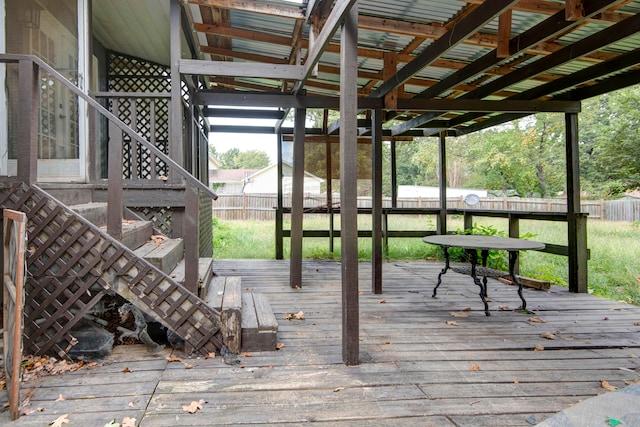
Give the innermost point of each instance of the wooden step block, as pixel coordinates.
(259, 325)
(205, 274)
(164, 254)
(95, 213)
(135, 233)
(225, 295)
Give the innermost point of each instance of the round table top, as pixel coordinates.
(469, 241)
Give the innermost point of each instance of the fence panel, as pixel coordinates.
(261, 207)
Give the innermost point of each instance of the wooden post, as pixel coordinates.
(514, 232)
(191, 237)
(28, 122)
(297, 199)
(442, 179)
(279, 202)
(348, 186)
(394, 177)
(175, 108)
(576, 222)
(376, 201)
(504, 34)
(115, 206)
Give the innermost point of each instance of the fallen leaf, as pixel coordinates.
(516, 382)
(384, 301)
(131, 404)
(193, 407)
(62, 419)
(536, 320)
(636, 324)
(188, 365)
(466, 309)
(112, 423)
(548, 335)
(451, 322)
(128, 422)
(211, 355)
(173, 359)
(247, 355)
(60, 398)
(337, 389)
(606, 318)
(475, 367)
(454, 314)
(504, 308)
(538, 347)
(279, 346)
(294, 316)
(605, 385)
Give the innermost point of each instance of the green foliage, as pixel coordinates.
(236, 159)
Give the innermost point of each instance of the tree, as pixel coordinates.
(250, 159)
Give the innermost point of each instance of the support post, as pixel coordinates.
(175, 109)
(28, 122)
(576, 222)
(376, 202)
(279, 197)
(297, 199)
(192, 237)
(394, 176)
(348, 186)
(514, 232)
(115, 205)
(442, 178)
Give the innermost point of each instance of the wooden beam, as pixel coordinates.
(348, 182)
(376, 201)
(442, 182)
(240, 69)
(467, 26)
(340, 8)
(574, 10)
(504, 35)
(254, 6)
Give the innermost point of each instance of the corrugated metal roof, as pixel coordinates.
(407, 28)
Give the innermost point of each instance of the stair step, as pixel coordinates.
(205, 273)
(259, 325)
(165, 254)
(95, 213)
(225, 295)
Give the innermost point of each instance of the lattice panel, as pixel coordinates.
(71, 265)
(160, 218)
(128, 74)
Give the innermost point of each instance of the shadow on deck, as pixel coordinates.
(423, 361)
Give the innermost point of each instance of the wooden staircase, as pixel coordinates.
(73, 263)
(246, 320)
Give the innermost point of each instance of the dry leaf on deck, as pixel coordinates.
(294, 316)
(193, 407)
(605, 385)
(60, 397)
(337, 389)
(536, 320)
(538, 347)
(188, 365)
(548, 335)
(173, 359)
(128, 422)
(279, 346)
(384, 301)
(62, 419)
(466, 309)
(112, 423)
(454, 314)
(211, 355)
(451, 322)
(475, 367)
(126, 370)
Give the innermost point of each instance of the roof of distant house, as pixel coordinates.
(231, 175)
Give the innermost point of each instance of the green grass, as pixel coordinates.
(614, 270)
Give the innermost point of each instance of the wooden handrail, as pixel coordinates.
(190, 179)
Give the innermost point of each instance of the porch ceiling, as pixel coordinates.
(409, 52)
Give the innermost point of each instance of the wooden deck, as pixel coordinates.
(415, 368)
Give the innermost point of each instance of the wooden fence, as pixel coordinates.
(261, 207)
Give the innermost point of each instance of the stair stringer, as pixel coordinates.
(72, 264)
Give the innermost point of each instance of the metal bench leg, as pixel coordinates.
(477, 281)
(513, 259)
(444, 270)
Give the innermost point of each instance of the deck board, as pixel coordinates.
(415, 368)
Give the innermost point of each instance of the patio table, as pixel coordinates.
(475, 243)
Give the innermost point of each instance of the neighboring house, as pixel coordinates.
(264, 181)
(434, 192)
(230, 181)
